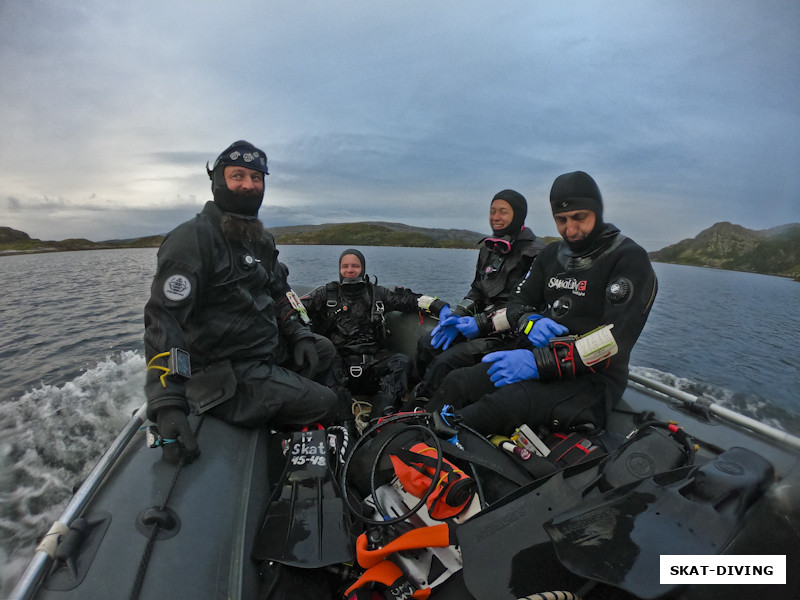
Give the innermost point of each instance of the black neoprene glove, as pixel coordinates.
(305, 357)
(174, 425)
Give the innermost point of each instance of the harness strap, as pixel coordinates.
(377, 308)
(390, 575)
(518, 475)
(435, 536)
(331, 294)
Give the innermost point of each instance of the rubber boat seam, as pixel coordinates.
(238, 550)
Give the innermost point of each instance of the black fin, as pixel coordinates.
(506, 551)
(692, 510)
(306, 524)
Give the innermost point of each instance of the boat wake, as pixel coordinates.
(50, 439)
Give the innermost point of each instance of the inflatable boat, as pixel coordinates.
(672, 475)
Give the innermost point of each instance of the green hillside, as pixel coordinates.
(727, 246)
(370, 234)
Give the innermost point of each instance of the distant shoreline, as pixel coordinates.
(724, 246)
(46, 250)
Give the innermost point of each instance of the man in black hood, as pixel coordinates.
(577, 314)
(237, 179)
(577, 207)
(478, 324)
(224, 332)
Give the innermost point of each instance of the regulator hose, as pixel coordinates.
(367, 435)
(387, 520)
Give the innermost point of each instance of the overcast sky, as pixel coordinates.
(415, 111)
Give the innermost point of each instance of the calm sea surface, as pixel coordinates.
(71, 362)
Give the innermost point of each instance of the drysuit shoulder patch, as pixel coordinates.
(177, 287)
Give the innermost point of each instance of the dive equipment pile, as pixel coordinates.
(588, 520)
(422, 506)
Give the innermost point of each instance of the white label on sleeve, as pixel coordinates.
(597, 346)
(500, 321)
(424, 302)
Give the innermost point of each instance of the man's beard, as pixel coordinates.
(245, 230)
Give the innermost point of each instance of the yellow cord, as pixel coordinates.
(166, 370)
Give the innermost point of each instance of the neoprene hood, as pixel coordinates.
(576, 191)
(240, 154)
(361, 278)
(520, 207)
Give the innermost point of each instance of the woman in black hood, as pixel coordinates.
(478, 324)
(507, 214)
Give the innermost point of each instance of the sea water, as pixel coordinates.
(72, 366)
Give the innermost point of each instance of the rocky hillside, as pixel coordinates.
(724, 245)
(13, 241)
(376, 234)
(8, 235)
(356, 234)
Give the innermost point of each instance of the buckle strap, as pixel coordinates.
(434, 536)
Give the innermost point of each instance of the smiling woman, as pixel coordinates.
(500, 214)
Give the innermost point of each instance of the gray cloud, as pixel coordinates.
(412, 111)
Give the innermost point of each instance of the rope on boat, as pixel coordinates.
(361, 413)
(551, 596)
(155, 528)
(345, 441)
(52, 538)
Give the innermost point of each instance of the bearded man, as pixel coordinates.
(577, 313)
(224, 332)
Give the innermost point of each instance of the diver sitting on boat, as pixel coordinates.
(477, 325)
(580, 310)
(351, 313)
(224, 332)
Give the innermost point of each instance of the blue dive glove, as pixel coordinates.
(511, 366)
(444, 333)
(445, 312)
(543, 330)
(468, 327)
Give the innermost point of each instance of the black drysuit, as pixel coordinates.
(496, 277)
(225, 303)
(611, 283)
(351, 315)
